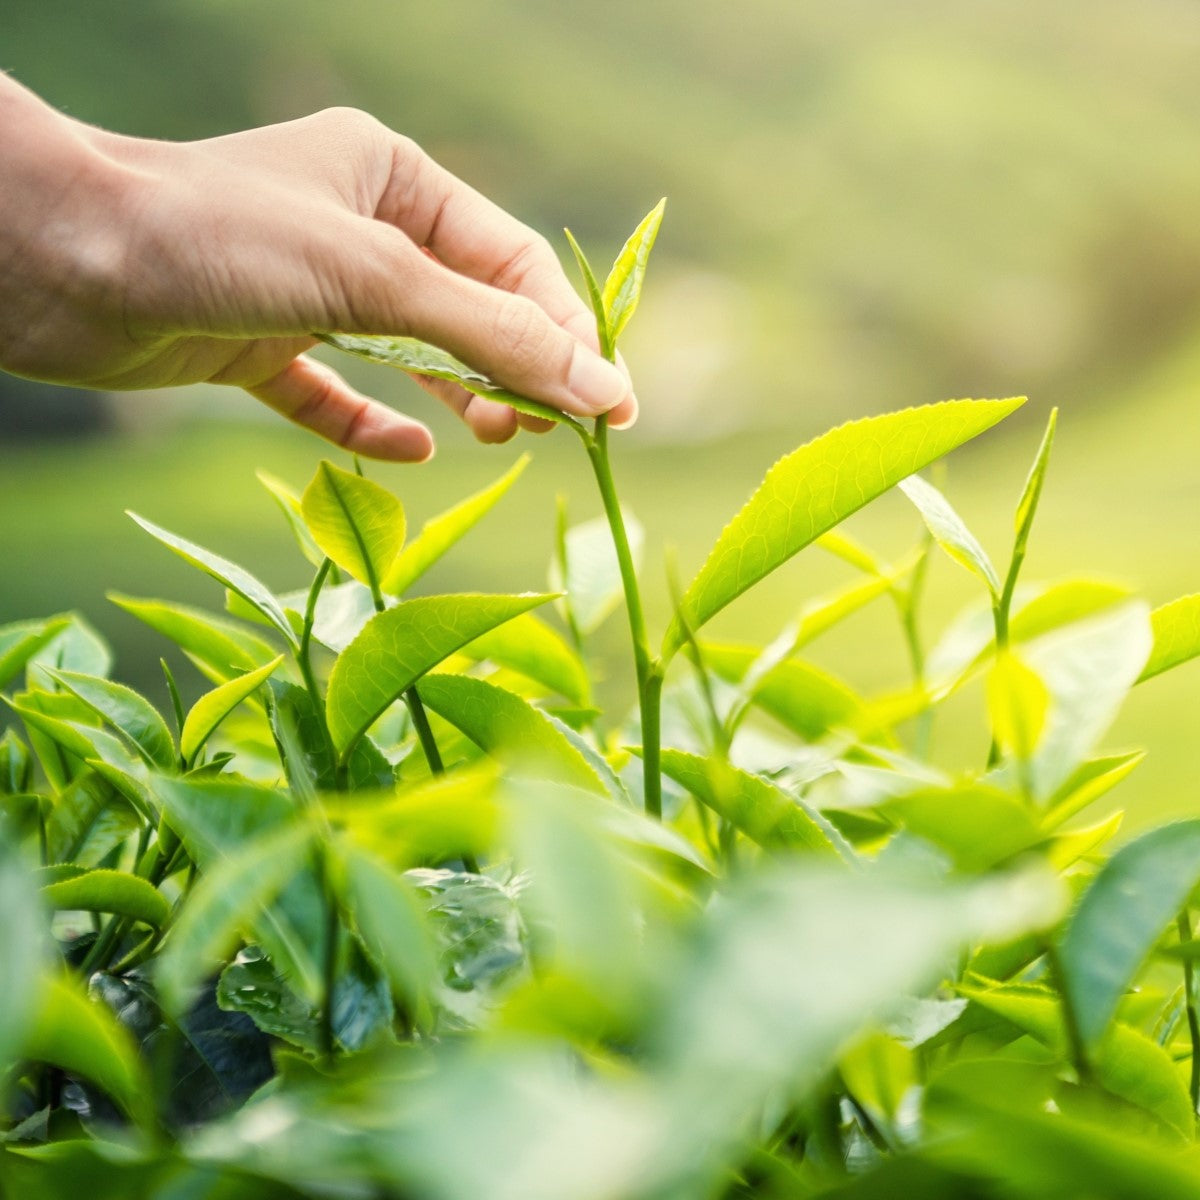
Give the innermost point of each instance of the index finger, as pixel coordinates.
(477, 238)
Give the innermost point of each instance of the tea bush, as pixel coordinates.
(393, 910)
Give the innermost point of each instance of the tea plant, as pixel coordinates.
(393, 910)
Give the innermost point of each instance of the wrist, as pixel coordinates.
(62, 235)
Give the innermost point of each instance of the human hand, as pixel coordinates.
(137, 264)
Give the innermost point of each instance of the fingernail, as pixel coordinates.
(627, 421)
(596, 384)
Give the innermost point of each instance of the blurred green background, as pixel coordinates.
(871, 205)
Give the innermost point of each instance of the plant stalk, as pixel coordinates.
(1193, 1016)
(648, 670)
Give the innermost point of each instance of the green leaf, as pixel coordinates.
(815, 487)
(110, 892)
(1087, 783)
(22, 950)
(225, 905)
(289, 503)
(1027, 508)
(949, 530)
(805, 699)
(1018, 702)
(1121, 917)
(529, 646)
(1176, 629)
(238, 580)
(82, 1037)
(23, 639)
(509, 728)
(977, 825)
(766, 814)
(595, 298)
(1128, 1063)
(391, 919)
(441, 532)
(1088, 669)
(623, 287)
(221, 648)
(397, 647)
(213, 707)
(79, 646)
(420, 358)
(593, 576)
(358, 524)
(127, 712)
(215, 819)
(88, 821)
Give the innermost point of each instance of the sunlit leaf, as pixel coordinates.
(222, 648)
(529, 646)
(397, 647)
(507, 727)
(420, 358)
(236, 578)
(128, 712)
(592, 580)
(1027, 507)
(213, 707)
(949, 530)
(623, 287)
(762, 811)
(595, 297)
(1018, 702)
(809, 491)
(22, 639)
(110, 892)
(289, 504)
(1088, 783)
(1176, 635)
(439, 533)
(356, 522)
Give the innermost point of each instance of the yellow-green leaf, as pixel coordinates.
(110, 892)
(1176, 628)
(357, 523)
(213, 707)
(815, 487)
(623, 287)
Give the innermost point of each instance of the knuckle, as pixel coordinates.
(351, 122)
(521, 332)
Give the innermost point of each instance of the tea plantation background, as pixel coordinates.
(871, 205)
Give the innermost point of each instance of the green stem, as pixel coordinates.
(425, 736)
(304, 653)
(329, 973)
(649, 671)
(1193, 1016)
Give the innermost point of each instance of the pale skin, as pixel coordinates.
(127, 263)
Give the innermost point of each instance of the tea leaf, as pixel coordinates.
(439, 533)
(815, 487)
(357, 523)
(420, 358)
(238, 580)
(1129, 1064)
(503, 725)
(593, 577)
(216, 819)
(391, 919)
(81, 1036)
(128, 712)
(949, 530)
(213, 707)
(1018, 702)
(1176, 635)
(226, 904)
(623, 287)
(763, 812)
(289, 504)
(397, 647)
(805, 699)
(22, 949)
(1087, 784)
(1027, 508)
(595, 297)
(220, 648)
(110, 892)
(79, 646)
(528, 645)
(1121, 917)
(23, 639)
